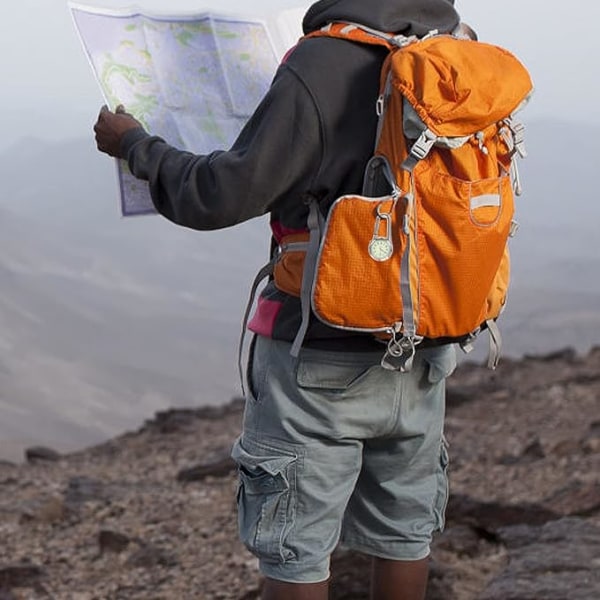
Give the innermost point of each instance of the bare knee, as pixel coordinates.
(282, 590)
(399, 579)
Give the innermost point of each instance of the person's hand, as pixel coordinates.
(110, 127)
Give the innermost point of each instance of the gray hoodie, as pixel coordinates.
(311, 136)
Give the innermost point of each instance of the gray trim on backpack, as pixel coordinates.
(495, 339)
(398, 40)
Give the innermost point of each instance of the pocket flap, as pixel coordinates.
(317, 375)
(260, 469)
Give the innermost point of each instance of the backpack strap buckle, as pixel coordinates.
(517, 131)
(420, 149)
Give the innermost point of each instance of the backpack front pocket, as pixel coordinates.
(464, 226)
(357, 278)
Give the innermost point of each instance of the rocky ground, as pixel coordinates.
(150, 515)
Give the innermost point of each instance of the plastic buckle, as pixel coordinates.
(431, 33)
(402, 40)
(420, 149)
(518, 134)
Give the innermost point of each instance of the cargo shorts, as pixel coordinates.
(336, 449)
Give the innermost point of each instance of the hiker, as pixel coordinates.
(334, 447)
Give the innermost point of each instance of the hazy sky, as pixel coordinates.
(48, 90)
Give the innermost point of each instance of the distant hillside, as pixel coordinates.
(555, 297)
(105, 319)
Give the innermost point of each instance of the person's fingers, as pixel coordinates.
(120, 109)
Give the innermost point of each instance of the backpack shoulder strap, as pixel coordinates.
(356, 32)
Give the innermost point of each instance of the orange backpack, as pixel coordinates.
(423, 253)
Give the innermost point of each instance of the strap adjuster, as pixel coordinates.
(420, 149)
(518, 135)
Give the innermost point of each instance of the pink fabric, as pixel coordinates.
(279, 231)
(287, 54)
(263, 320)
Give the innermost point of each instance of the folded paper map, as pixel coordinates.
(193, 79)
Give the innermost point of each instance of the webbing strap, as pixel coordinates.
(495, 344)
(515, 142)
(308, 274)
(408, 313)
(398, 40)
(264, 272)
(410, 162)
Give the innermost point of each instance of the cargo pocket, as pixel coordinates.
(441, 500)
(266, 498)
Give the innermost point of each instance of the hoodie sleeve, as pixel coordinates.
(276, 156)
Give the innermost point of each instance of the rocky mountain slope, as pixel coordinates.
(151, 515)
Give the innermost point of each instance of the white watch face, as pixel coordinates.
(380, 249)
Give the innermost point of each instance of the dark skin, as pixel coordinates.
(390, 579)
(110, 128)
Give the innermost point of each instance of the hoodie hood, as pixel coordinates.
(408, 17)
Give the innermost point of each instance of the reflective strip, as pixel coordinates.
(308, 274)
(485, 200)
(293, 247)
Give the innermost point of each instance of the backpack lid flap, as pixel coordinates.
(459, 87)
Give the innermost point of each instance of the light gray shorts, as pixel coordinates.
(335, 448)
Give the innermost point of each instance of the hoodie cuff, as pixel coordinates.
(130, 138)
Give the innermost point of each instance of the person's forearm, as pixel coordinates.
(227, 187)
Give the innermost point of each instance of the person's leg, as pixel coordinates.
(400, 497)
(299, 458)
(399, 579)
(281, 590)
